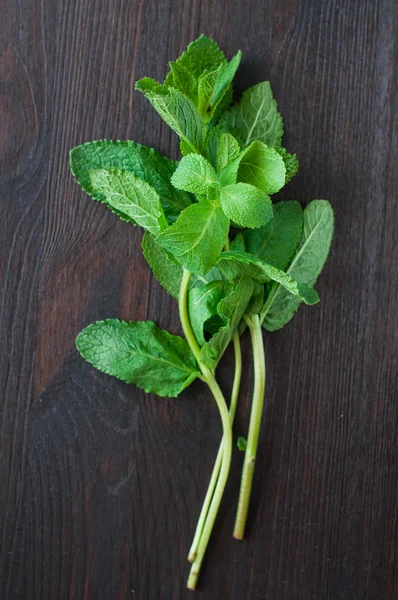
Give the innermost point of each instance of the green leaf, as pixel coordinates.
(262, 167)
(194, 174)
(246, 205)
(256, 117)
(201, 55)
(226, 73)
(178, 111)
(167, 271)
(202, 305)
(228, 150)
(131, 196)
(257, 300)
(233, 264)
(291, 163)
(241, 442)
(197, 237)
(145, 163)
(238, 244)
(306, 265)
(140, 353)
(231, 309)
(212, 143)
(213, 85)
(277, 240)
(222, 106)
(258, 165)
(184, 81)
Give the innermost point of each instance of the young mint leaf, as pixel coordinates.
(262, 167)
(231, 309)
(194, 174)
(306, 265)
(184, 81)
(228, 150)
(238, 243)
(131, 196)
(291, 163)
(246, 205)
(167, 271)
(277, 240)
(140, 353)
(221, 107)
(213, 85)
(256, 117)
(201, 55)
(197, 237)
(224, 79)
(177, 110)
(233, 264)
(241, 443)
(202, 305)
(145, 163)
(258, 165)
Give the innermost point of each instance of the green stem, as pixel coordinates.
(254, 427)
(217, 465)
(226, 425)
(184, 316)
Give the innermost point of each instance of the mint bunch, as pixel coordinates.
(215, 241)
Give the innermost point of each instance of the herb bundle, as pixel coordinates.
(232, 163)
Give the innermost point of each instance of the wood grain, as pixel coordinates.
(101, 484)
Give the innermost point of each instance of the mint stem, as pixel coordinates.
(254, 427)
(226, 425)
(217, 464)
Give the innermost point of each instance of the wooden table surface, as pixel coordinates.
(102, 484)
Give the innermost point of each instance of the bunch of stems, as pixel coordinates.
(222, 464)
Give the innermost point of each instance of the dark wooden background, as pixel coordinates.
(101, 484)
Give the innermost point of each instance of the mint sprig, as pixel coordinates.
(232, 164)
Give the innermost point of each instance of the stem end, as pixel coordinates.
(238, 535)
(192, 580)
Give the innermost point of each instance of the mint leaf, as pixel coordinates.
(166, 270)
(201, 55)
(258, 165)
(194, 174)
(291, 163)
(232, 264)
(212, 143)
(246, 205)
(257, 300)
(241, 443)
(129, 195)
(197, 237)
(277, 240)
(140, 353)
(145, 163)
(202, 305)
(231, 309)
(222, 106)
(256, 117)
(213, 85)
(263, 167)
(178, 111)
(306, 265)
(228, 150)
(184, 81)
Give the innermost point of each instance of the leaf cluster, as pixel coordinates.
(232, 164)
